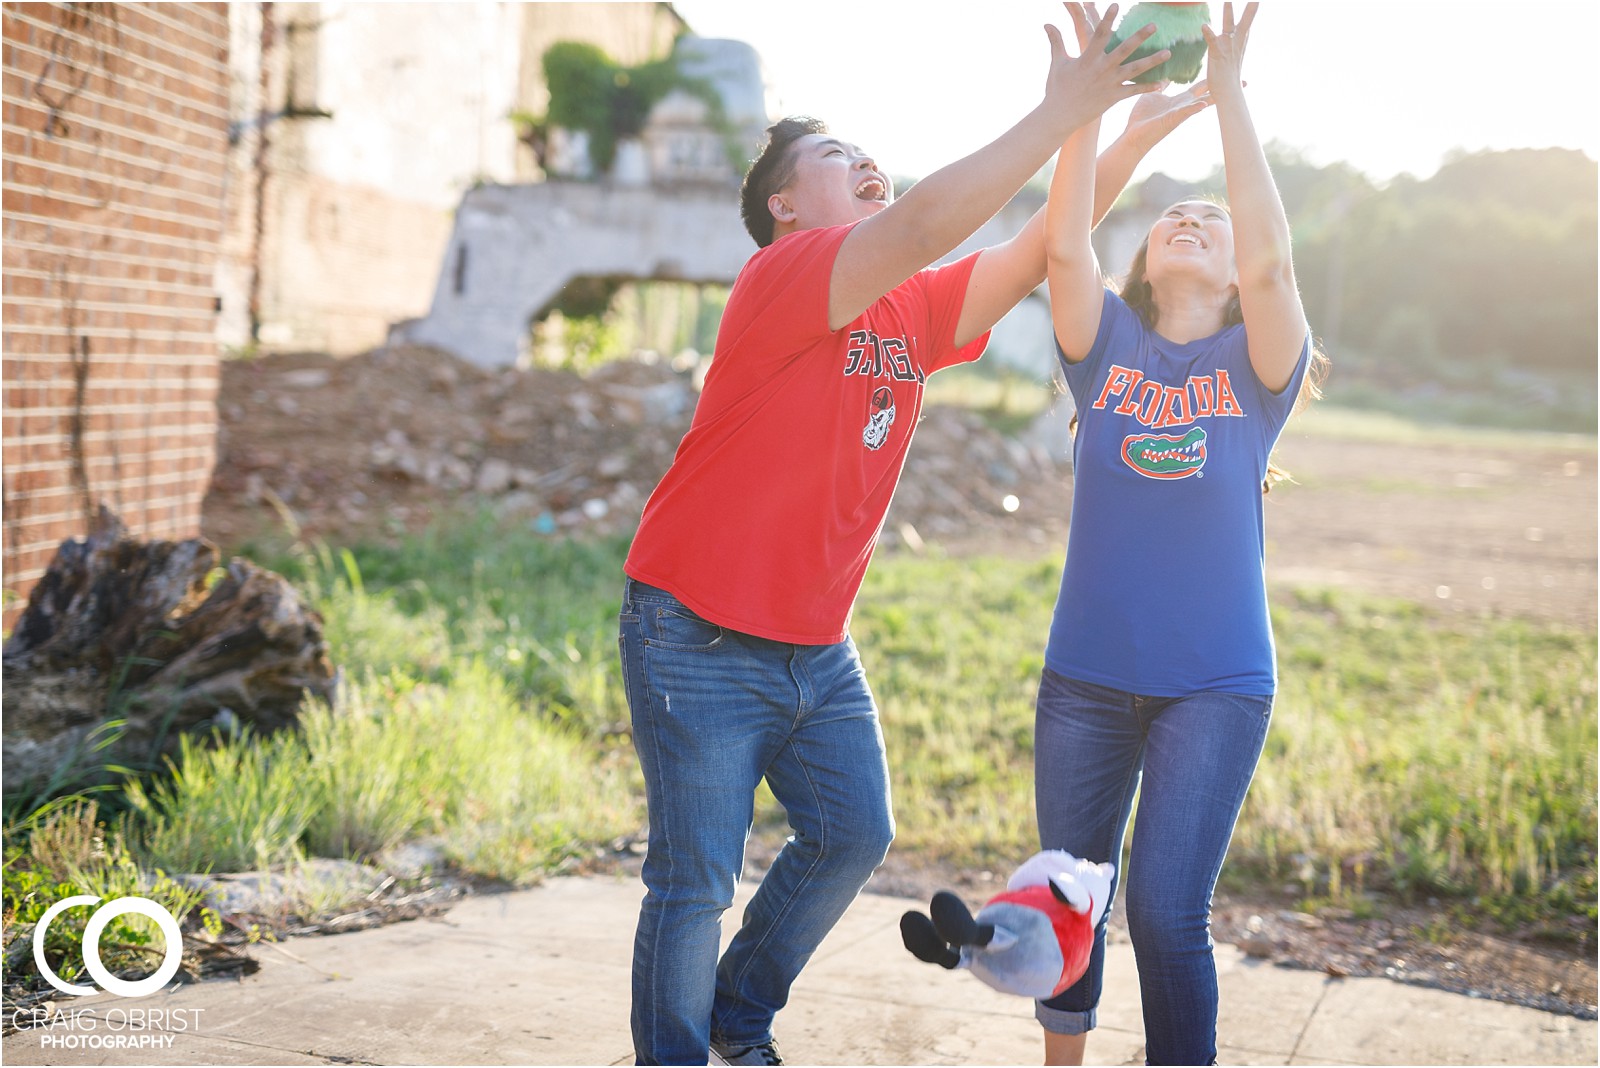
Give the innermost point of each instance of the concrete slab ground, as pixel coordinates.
(541, 977)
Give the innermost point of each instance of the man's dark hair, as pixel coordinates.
(771, 172)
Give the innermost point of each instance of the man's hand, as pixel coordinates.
(949, 205)
(1080, 90)
(1156, 114)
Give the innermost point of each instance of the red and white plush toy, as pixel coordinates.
(1033, 939)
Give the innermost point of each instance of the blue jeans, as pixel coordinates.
(1196, 755)
(715, 711)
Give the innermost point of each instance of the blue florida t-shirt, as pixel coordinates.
(1164, 591)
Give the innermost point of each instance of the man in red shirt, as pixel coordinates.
(734, 623)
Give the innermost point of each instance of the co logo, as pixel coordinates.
(91, 946)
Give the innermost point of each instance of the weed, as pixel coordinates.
(85, 771)
(66, 851)
(363, 767)
(238, 804)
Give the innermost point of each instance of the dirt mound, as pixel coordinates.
(376, 445)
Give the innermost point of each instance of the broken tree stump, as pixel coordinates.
(153, 633)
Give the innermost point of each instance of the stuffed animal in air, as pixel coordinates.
(1033, 939)
(1177, 28)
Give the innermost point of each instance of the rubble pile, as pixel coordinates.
(378, 445)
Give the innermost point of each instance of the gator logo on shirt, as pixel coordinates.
(1165, 456)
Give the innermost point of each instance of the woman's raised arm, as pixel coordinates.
(1274, 318)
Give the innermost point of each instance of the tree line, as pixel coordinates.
(1468, 296)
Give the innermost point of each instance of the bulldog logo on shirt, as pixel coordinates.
(880, 417)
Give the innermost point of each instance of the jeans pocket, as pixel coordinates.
(669, 626)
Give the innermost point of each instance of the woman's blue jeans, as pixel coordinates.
(715, 711)
(1195, 756)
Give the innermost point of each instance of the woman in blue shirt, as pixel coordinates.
(1160, 671)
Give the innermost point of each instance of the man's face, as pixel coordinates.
(833, 183)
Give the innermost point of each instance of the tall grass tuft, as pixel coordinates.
(511, 793)
(239, 804)
(391, 630)
(479, 706)
(516, 793)
(365, 761)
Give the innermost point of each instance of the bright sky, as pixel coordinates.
(1390, 87)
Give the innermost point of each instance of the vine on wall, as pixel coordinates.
(590, 91)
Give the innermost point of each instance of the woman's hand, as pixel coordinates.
(1225, 50)
(1274, 317)
(1085, 21)
(1156, 115)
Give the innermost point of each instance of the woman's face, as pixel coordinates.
(1193, 239)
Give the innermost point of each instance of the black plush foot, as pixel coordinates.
(917, 932)
(955, 924)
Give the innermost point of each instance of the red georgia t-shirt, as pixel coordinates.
(767, 517)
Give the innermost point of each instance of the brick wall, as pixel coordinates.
(115, 138)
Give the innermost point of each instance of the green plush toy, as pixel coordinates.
(1177, 28)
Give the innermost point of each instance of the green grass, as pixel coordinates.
(65, 849)
(1438, 759)
(478, 710)
(238, 804)
(954, 649)
(468, 743)
(1327, 419)
(1411, 754)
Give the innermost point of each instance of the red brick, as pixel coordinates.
(119, 208)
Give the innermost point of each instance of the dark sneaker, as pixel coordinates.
(765, 1053)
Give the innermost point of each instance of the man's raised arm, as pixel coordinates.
(948, 206)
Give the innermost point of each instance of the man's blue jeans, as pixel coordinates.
(715, 711)
(1196, 755)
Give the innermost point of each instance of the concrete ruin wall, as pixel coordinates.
(361, 132)
(514, 248)
(115, 133)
